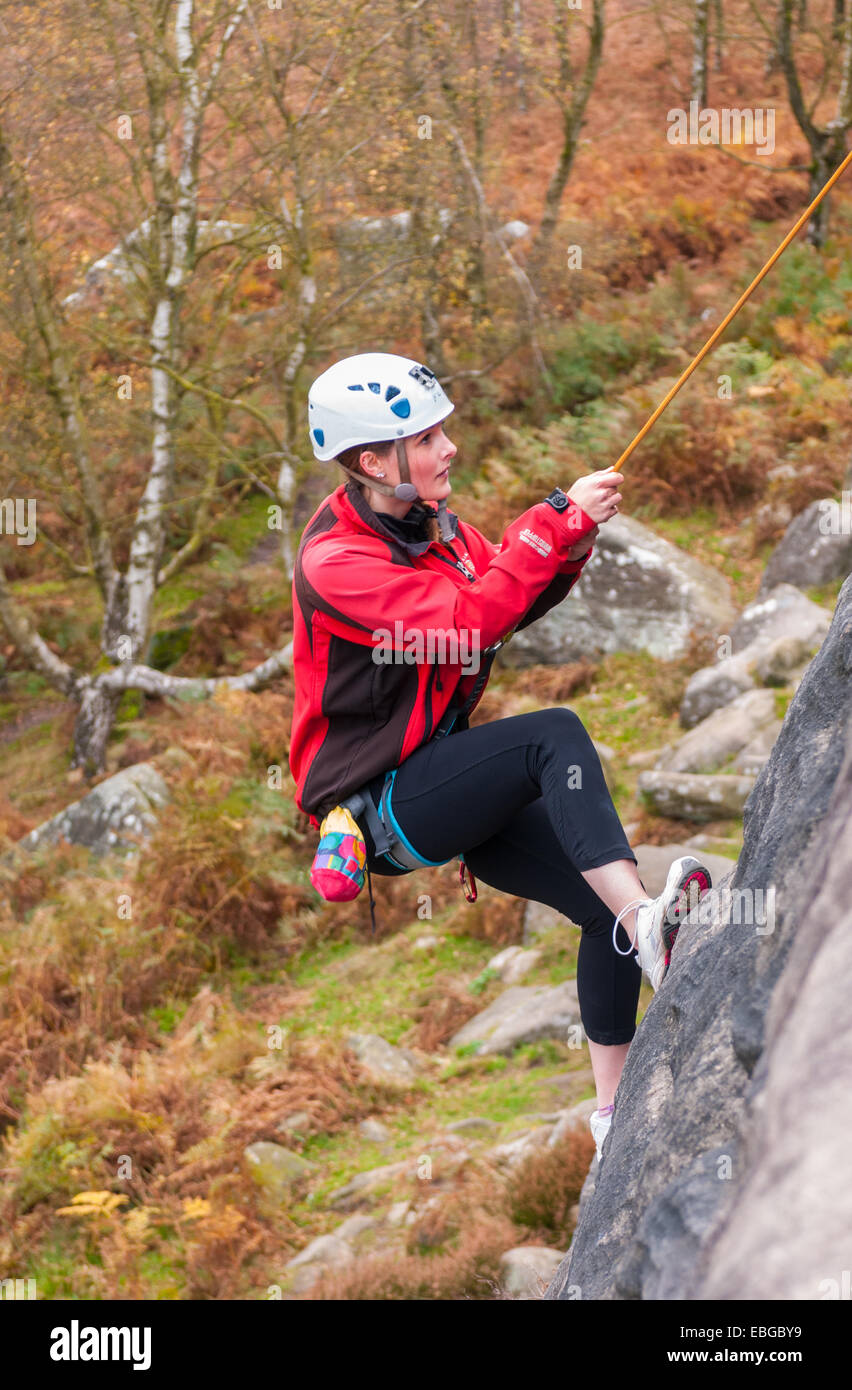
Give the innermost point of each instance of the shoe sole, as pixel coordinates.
(693, 883)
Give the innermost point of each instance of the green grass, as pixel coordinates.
(369, 990)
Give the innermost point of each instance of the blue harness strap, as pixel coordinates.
(402, 852)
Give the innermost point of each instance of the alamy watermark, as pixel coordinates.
(17, 1289)
(836, 517)
(18, 518)
(412, 646)
(726, 126)
(749, 907)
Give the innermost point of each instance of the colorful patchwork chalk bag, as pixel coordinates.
(340, 862)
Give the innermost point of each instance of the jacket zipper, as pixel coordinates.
(456, 563)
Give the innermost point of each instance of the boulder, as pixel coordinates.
(713, 742)
(473, 1123)
(326, 1252)
(381, 1061)
(297, 1122)
(784, 611)
(637, 592)
(775, 635)
(575, 1118)
(362, 1189)
(513, 963)
(778, 661)
(755, 754)
(274, 1168)
(115, 815)
(513, 1152)
(427, 942)
(356, 1225)
(521, 1014)
(720, 1117)
(654, 862)
(815, 548)
(695, 796)
(717, 686)
(374, 1131)
(527, 1269)
(539, 918)
(520, 966)
(397, 1213)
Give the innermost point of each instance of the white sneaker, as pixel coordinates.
(600, 1126)
(658, 919)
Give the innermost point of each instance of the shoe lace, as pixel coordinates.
(637, 902)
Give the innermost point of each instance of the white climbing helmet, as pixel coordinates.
(372, 397)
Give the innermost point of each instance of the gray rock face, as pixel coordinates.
(638, 592)
(695, 796)
(522, 1014)
(114, 812)
(720, 1117)
(815, 548)
(710, 744)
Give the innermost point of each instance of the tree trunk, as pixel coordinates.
(573, 113)
(718, 35)
(518, 23)
(700, 38)
(839, 17)
(828, 143)
(92, 729)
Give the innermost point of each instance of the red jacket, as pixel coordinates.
(388, 630)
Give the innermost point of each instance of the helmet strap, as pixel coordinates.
(440, 527)
(405, 489)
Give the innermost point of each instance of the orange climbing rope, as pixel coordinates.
(714, 337)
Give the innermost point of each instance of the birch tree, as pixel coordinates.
(700, 50)
(181, 73)
(571, 89)
(827, 143)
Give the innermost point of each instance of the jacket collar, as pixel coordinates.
(349, 492)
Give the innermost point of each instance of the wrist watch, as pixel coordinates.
(558, 500)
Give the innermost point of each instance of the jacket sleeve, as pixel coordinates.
(482, 551)
(363, 592)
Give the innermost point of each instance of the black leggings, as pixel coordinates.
(524, 799)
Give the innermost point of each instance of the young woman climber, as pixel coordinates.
(399, 607)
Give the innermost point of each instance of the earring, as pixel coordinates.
(380, 475)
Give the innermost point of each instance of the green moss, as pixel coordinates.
(168, 646)
(239, 533)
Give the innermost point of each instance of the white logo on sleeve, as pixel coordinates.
(535, 541)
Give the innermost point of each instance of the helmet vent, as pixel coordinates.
(375, 386)
(402, 408)
(319, 436)
(391, 392)
(355, 388)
